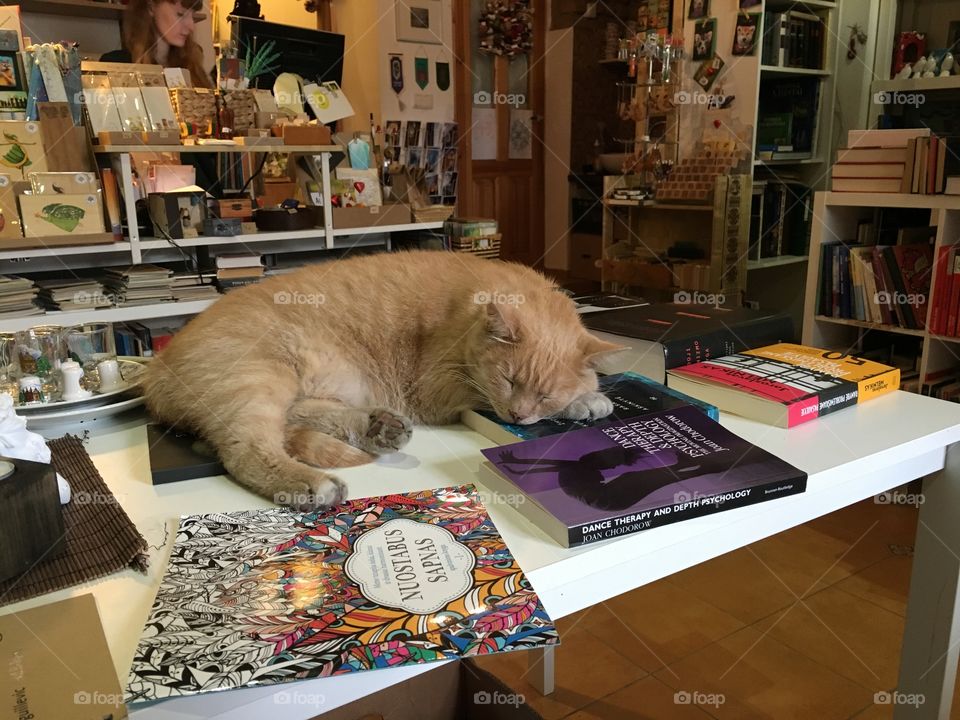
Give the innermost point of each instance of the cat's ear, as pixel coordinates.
(596, 350)
(501, 322)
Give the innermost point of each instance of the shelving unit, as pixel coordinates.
(81, 8)
(131, 250)
(838, 214)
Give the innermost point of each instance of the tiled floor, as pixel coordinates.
(806, 624)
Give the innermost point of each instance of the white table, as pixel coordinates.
(850, 456)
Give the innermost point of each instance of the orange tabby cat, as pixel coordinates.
(334, 363)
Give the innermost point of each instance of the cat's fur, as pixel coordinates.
(332, 364)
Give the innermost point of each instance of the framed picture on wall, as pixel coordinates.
(419, 21)
(704, 39)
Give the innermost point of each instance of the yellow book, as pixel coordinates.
(785, 384)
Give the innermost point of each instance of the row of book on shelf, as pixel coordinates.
(909, 160)
(882, 284)
(793, 38)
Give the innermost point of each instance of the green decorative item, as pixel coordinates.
(16, 156)
(263, 61)
(65, 217)
(421, 71)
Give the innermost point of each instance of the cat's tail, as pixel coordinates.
(243, 415)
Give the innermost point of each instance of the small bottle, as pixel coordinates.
(224, 120)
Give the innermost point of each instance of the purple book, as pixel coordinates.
(603, 482)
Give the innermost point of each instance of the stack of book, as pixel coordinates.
(477, 236)
(237, 270)
(78, 294)
(911, 160)
(661, 457)
(139, 285)
(793, 39)
(194, 287)
(785, 384)
(882, 284)
(18, 297)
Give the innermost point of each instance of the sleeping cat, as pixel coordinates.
(332, 365)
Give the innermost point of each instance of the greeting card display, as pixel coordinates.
(271, 596)
(21, 148)
(45, 215)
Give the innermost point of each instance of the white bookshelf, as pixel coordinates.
(837, 215)
(132, 249)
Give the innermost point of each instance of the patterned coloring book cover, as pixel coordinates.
(272, 596)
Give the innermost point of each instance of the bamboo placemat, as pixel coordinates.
(101, 539)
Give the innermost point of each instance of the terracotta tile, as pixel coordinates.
(887, 583)
(736, 583)
(760, 677)
(658, 624)
(858, 640)
(587, 670)
(647, 699)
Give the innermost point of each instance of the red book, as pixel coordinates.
(954, 301)
(938, 311)
(883, 290)
(915, 265)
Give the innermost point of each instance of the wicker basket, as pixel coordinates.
(196, 106)
(432, 213)
(244, 109)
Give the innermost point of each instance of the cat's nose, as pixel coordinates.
(514, 418)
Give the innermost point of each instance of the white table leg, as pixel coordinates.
(541, 667)
(931, 639)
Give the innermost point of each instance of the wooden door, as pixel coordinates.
(499, 109)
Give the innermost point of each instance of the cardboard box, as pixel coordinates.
(63, 215)
(305, 134)
(358, 217)
(585, 250)
(37, 648)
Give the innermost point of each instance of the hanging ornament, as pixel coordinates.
(421, 71)
(506, 27)
(443, 75)
(396, 73)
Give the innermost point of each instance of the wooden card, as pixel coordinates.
(45, 216)
(9, 215)
(64, 183)
(21, 148)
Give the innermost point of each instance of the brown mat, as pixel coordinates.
(101, 539)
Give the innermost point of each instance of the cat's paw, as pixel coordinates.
(589, 406)
(387, 432)
(313, 493)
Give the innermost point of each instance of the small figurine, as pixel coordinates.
(946, 67)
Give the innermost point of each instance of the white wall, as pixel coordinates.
(390, 102)
(558, 110)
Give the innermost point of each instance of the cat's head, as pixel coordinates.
(535, 357)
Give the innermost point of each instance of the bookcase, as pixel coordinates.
(838, 215)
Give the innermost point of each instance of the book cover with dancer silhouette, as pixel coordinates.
(604, 482)
(632, 395)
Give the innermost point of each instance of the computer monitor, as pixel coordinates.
(314, 55)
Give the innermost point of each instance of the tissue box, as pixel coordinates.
(31, 518)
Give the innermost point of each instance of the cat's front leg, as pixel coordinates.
(589, 406)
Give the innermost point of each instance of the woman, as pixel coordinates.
(167, 41)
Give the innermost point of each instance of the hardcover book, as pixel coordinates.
(631, 394)
(670, 335)
(272, 596)
(604, 482)
(785, 384)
